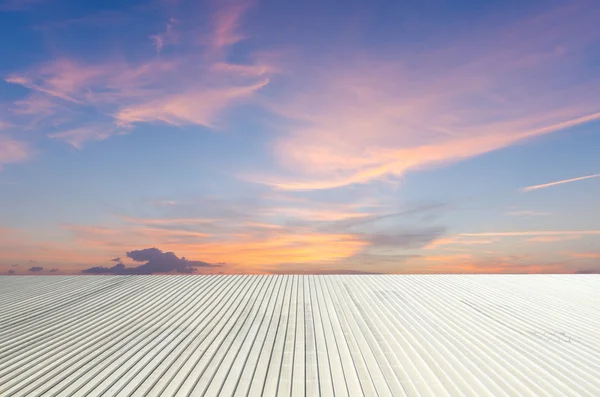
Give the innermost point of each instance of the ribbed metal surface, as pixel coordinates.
(442, 335)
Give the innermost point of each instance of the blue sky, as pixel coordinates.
(400, 137)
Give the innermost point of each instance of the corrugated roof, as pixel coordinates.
(433, 335)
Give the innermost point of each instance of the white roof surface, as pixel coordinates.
(433, 335)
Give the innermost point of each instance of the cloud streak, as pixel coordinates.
(553, 239)
(550, 184)
(535, 233)
(78, 136)
(528, 213)
(585, 255)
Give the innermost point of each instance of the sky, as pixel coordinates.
(261, 136)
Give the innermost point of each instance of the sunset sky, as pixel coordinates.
(300, 136)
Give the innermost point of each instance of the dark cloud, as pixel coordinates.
(117, 259)
(588, 271)
(116, 269)
(11, 271)
(156, 260)
(53, 270)
(36, 269)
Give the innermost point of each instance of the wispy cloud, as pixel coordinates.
(457, 240)
(550, 184)
(193, 107)
(13, 151)
(585, 255)
(35, 105)
(534, 233)
(553, 239)
(134, 94)
(226, 22)
(314, 214)
(355, 119)
(528, 213)
(64, 79)
(324, 152)
(258, 69)
(404, 239)
(191, 86)
(78, 136)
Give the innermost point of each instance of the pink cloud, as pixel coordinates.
(35, 105)
(191, 86)
(194, 107)
(245, 70)
(315, 214)
(168, 91)
(226, 21)
(78, 136)
(362, 117)
(325, 160)
(64, 78)
(95, 84)
(13, 151)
